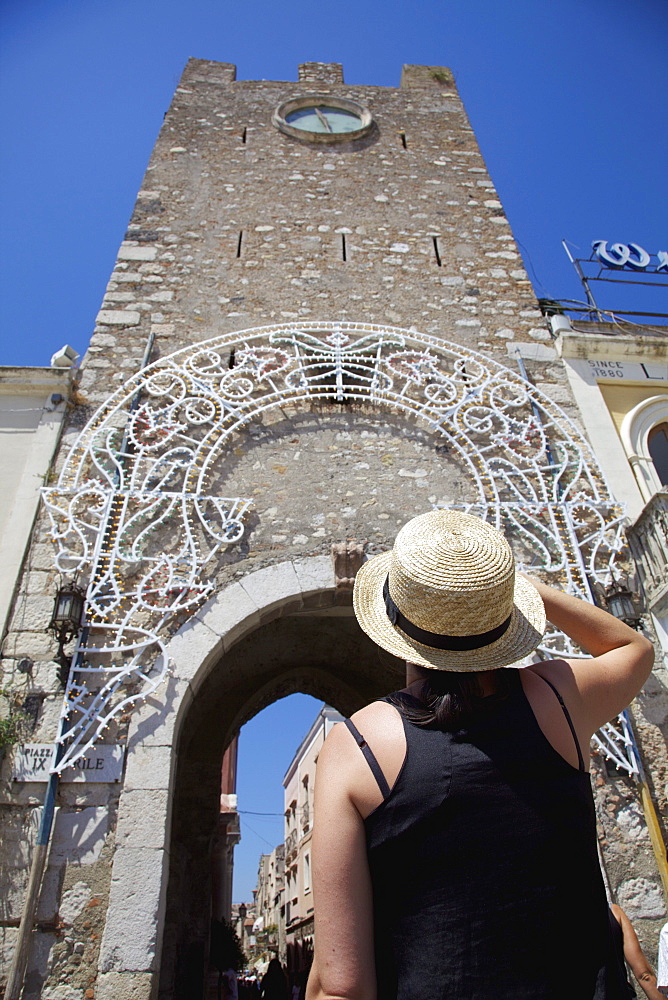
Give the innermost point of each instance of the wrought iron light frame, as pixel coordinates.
(134, 515)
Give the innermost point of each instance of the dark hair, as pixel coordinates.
(448, 699)
(274, 976)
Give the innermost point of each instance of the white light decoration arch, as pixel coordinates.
(133, 516)
(635, 432)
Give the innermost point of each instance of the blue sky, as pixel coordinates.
(567, 98)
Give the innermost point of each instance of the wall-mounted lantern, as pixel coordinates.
(623, 602)
(66, 622)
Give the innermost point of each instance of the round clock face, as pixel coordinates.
(322, 118)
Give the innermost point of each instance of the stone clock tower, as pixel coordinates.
(318, 325)
(256, 210)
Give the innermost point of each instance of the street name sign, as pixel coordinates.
(103, 763)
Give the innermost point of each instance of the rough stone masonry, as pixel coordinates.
(237, 226)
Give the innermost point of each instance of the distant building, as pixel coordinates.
(268, 927)
(298, 783)
(227, 836)
(242, 920)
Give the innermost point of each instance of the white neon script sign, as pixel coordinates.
(628, 255)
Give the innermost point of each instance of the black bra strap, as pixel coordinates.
(569, 721)
(370, 759)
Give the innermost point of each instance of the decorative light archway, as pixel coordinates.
(134, 513)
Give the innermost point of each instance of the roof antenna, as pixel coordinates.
(585, 284)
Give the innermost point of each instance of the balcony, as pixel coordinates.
(648, 540)
(290, 846)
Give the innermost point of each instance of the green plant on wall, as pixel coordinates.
(10, 731)
(13, 723)
(442, 76)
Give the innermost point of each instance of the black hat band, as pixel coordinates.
(434, 639)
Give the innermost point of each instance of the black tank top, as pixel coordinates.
(485, 873)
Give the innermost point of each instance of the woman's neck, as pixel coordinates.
(415, 676)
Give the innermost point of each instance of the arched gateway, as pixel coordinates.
(200, 504)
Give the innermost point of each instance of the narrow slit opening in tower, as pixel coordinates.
(241, 236)
(402, 137)
(243, 137)
(344, 252)
(437, 255)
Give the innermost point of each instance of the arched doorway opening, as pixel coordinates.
(318, 652)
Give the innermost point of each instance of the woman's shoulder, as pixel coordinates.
(344, 763)
(378, 718)
(377, 722)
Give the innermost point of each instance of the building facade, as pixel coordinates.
(227, 837)
(299, 785)
(33, 402)
(318, 325)
(269, 925)
(618, 374)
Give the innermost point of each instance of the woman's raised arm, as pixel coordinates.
(620, 663)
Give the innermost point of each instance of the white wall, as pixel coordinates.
(30, 425)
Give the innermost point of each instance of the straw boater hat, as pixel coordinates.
(446, 596)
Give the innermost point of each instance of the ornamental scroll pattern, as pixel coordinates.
(133, 513)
